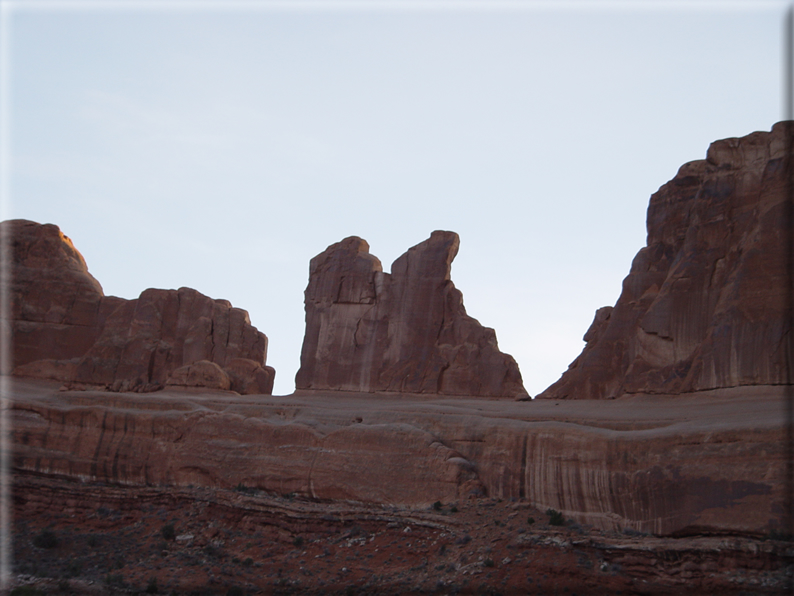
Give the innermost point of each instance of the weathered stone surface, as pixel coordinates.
(248, 376)
(57, 308)
(148, 338)
(707, 303)
(64, 327)
(668, 465)
(202, 373)
(407, 331)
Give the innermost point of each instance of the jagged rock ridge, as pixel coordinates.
(707, 303)
(65, 328)
(407, 331)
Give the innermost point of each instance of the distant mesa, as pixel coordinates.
(65, 328)
(707, 302)
(407, 331)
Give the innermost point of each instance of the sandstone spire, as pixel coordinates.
(407, 331)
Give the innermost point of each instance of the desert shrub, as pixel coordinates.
(555, 517)
(776, 534)
(488, 563)
(114, 579)
(235, 591)
(298, 541)
(151, 587)
(212, 551)
(248, 562)
(45, 539)
(453, 509)
(73, 569)
(168, 532)
(437, 505)
(531, 521)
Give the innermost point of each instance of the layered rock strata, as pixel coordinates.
(65, 328)
(407, 331)
(668, 465)
(707, 303)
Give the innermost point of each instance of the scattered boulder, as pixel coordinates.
(707, 303)
(407, 331)
(64, 328)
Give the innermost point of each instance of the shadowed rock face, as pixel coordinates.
(407, 331)
(57, 307)
(706, 303)
(65, 328)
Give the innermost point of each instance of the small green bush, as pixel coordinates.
(298, 542)
(73, 569)
(437, 505)
(555, 517)
(488, 563)
(248, 562)
(453, 509)
(168, 532)
(45, 539)
(531, 521)
(151, 587)
(114, 579)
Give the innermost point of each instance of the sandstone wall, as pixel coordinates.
(685, 465)
(407, 331)
(707, 302)
(64, 327)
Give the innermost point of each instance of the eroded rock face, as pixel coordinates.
(147, 339)
(706, 304)
(676, 465)
(407, 331)
(57, 307)
(64, 327)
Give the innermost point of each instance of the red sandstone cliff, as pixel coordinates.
(65, 328)
(407, 331)
(707, 302)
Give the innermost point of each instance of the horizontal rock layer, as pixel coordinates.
(65, 328)
(668, 465)
(707, 302)
(407, 331)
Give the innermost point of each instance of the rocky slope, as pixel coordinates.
(407, 331)
(707, 303)
(112, 540)
(65, 328)
(667, 465)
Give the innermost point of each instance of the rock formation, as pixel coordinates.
(407, 331)
(65, 328)
(669, 466)
(707, 302)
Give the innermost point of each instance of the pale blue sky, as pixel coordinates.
(221, 147)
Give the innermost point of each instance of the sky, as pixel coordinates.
(221, 146)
